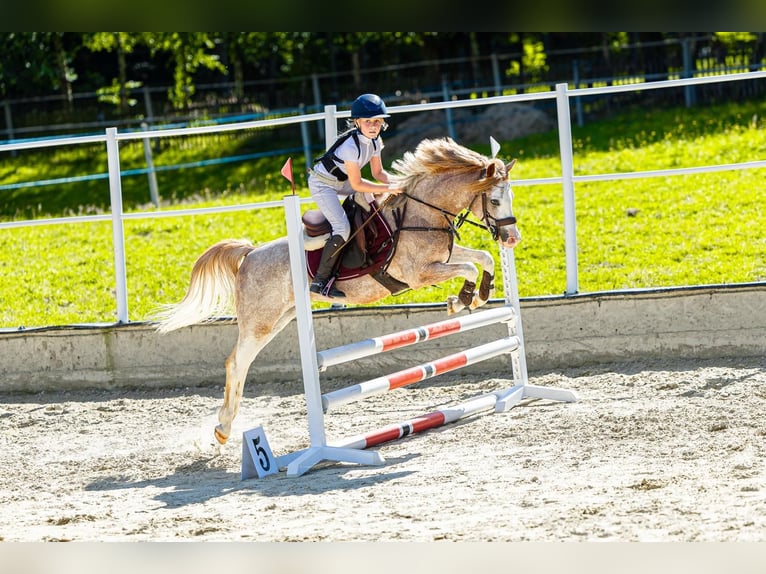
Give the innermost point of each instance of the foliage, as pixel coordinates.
(36, 63)
(632, 233)
(189, 51)
(532, 61)
(123, 43)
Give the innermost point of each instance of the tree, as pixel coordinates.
(35, 62)
(122, 43)
(268, 54)
(188, 52)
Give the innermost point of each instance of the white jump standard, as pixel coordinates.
(352, 449)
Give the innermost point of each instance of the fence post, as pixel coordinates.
(317, 100)
(306, 139)
(448, 111)
(578, 100)
(496, 75)
(151, 173)
(689, 93)
(9, 124)
(118, 232)
(148, 105)
(330, 126)
(567, 175)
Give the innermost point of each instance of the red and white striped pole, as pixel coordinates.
(375, 345)
(419, 424)
(419, 373)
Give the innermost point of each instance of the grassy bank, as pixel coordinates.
(652, 232)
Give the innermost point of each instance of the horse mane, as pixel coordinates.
(444, 156)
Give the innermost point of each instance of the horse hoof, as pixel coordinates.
(477, 302)
(453, 305)
(219, 436)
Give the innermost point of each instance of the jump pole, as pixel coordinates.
(420, 373)
(422, 423)
(385, 343)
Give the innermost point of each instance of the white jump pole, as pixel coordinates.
(420, 373)
(422, 423)
(385, 343)
(300, 462)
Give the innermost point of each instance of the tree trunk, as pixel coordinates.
(61, 63)
(122, 75)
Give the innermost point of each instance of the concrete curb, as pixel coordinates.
(560, 332)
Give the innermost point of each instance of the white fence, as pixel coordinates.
(567, 180)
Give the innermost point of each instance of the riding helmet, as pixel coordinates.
(368, 106)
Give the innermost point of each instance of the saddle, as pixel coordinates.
(367, 253)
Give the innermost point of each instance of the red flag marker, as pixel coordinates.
(287, 171)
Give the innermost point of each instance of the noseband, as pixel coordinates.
(492, 223)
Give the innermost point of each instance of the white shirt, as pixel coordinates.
(348, 151)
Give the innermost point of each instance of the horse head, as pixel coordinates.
(449, 178)
(496, 206)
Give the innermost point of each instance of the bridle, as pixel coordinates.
(456, 220)
(492, 223)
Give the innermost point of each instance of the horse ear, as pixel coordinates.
(509, 166)
(490, 170)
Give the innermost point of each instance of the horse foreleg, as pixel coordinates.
(468, 297)
(437, 272)
(486, 289)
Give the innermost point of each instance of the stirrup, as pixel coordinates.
(326, 287)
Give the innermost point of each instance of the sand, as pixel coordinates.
(662, 451)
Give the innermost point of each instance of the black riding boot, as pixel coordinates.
(330, 255)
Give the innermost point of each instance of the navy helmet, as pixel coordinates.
(368, 106)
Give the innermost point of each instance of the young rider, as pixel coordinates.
(338, 173)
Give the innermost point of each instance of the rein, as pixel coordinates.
(451, 226)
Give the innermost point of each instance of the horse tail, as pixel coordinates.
(211, 288)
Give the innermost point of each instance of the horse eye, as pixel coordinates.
(495, 202)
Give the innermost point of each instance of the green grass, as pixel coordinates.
(687, 230)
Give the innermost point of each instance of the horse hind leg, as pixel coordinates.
(237, 365)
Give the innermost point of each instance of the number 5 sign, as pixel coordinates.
(257, 459)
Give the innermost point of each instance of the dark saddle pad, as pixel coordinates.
(368, 251)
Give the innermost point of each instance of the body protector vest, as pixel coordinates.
(330, 161)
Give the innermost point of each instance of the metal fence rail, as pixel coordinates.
(562, 97)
